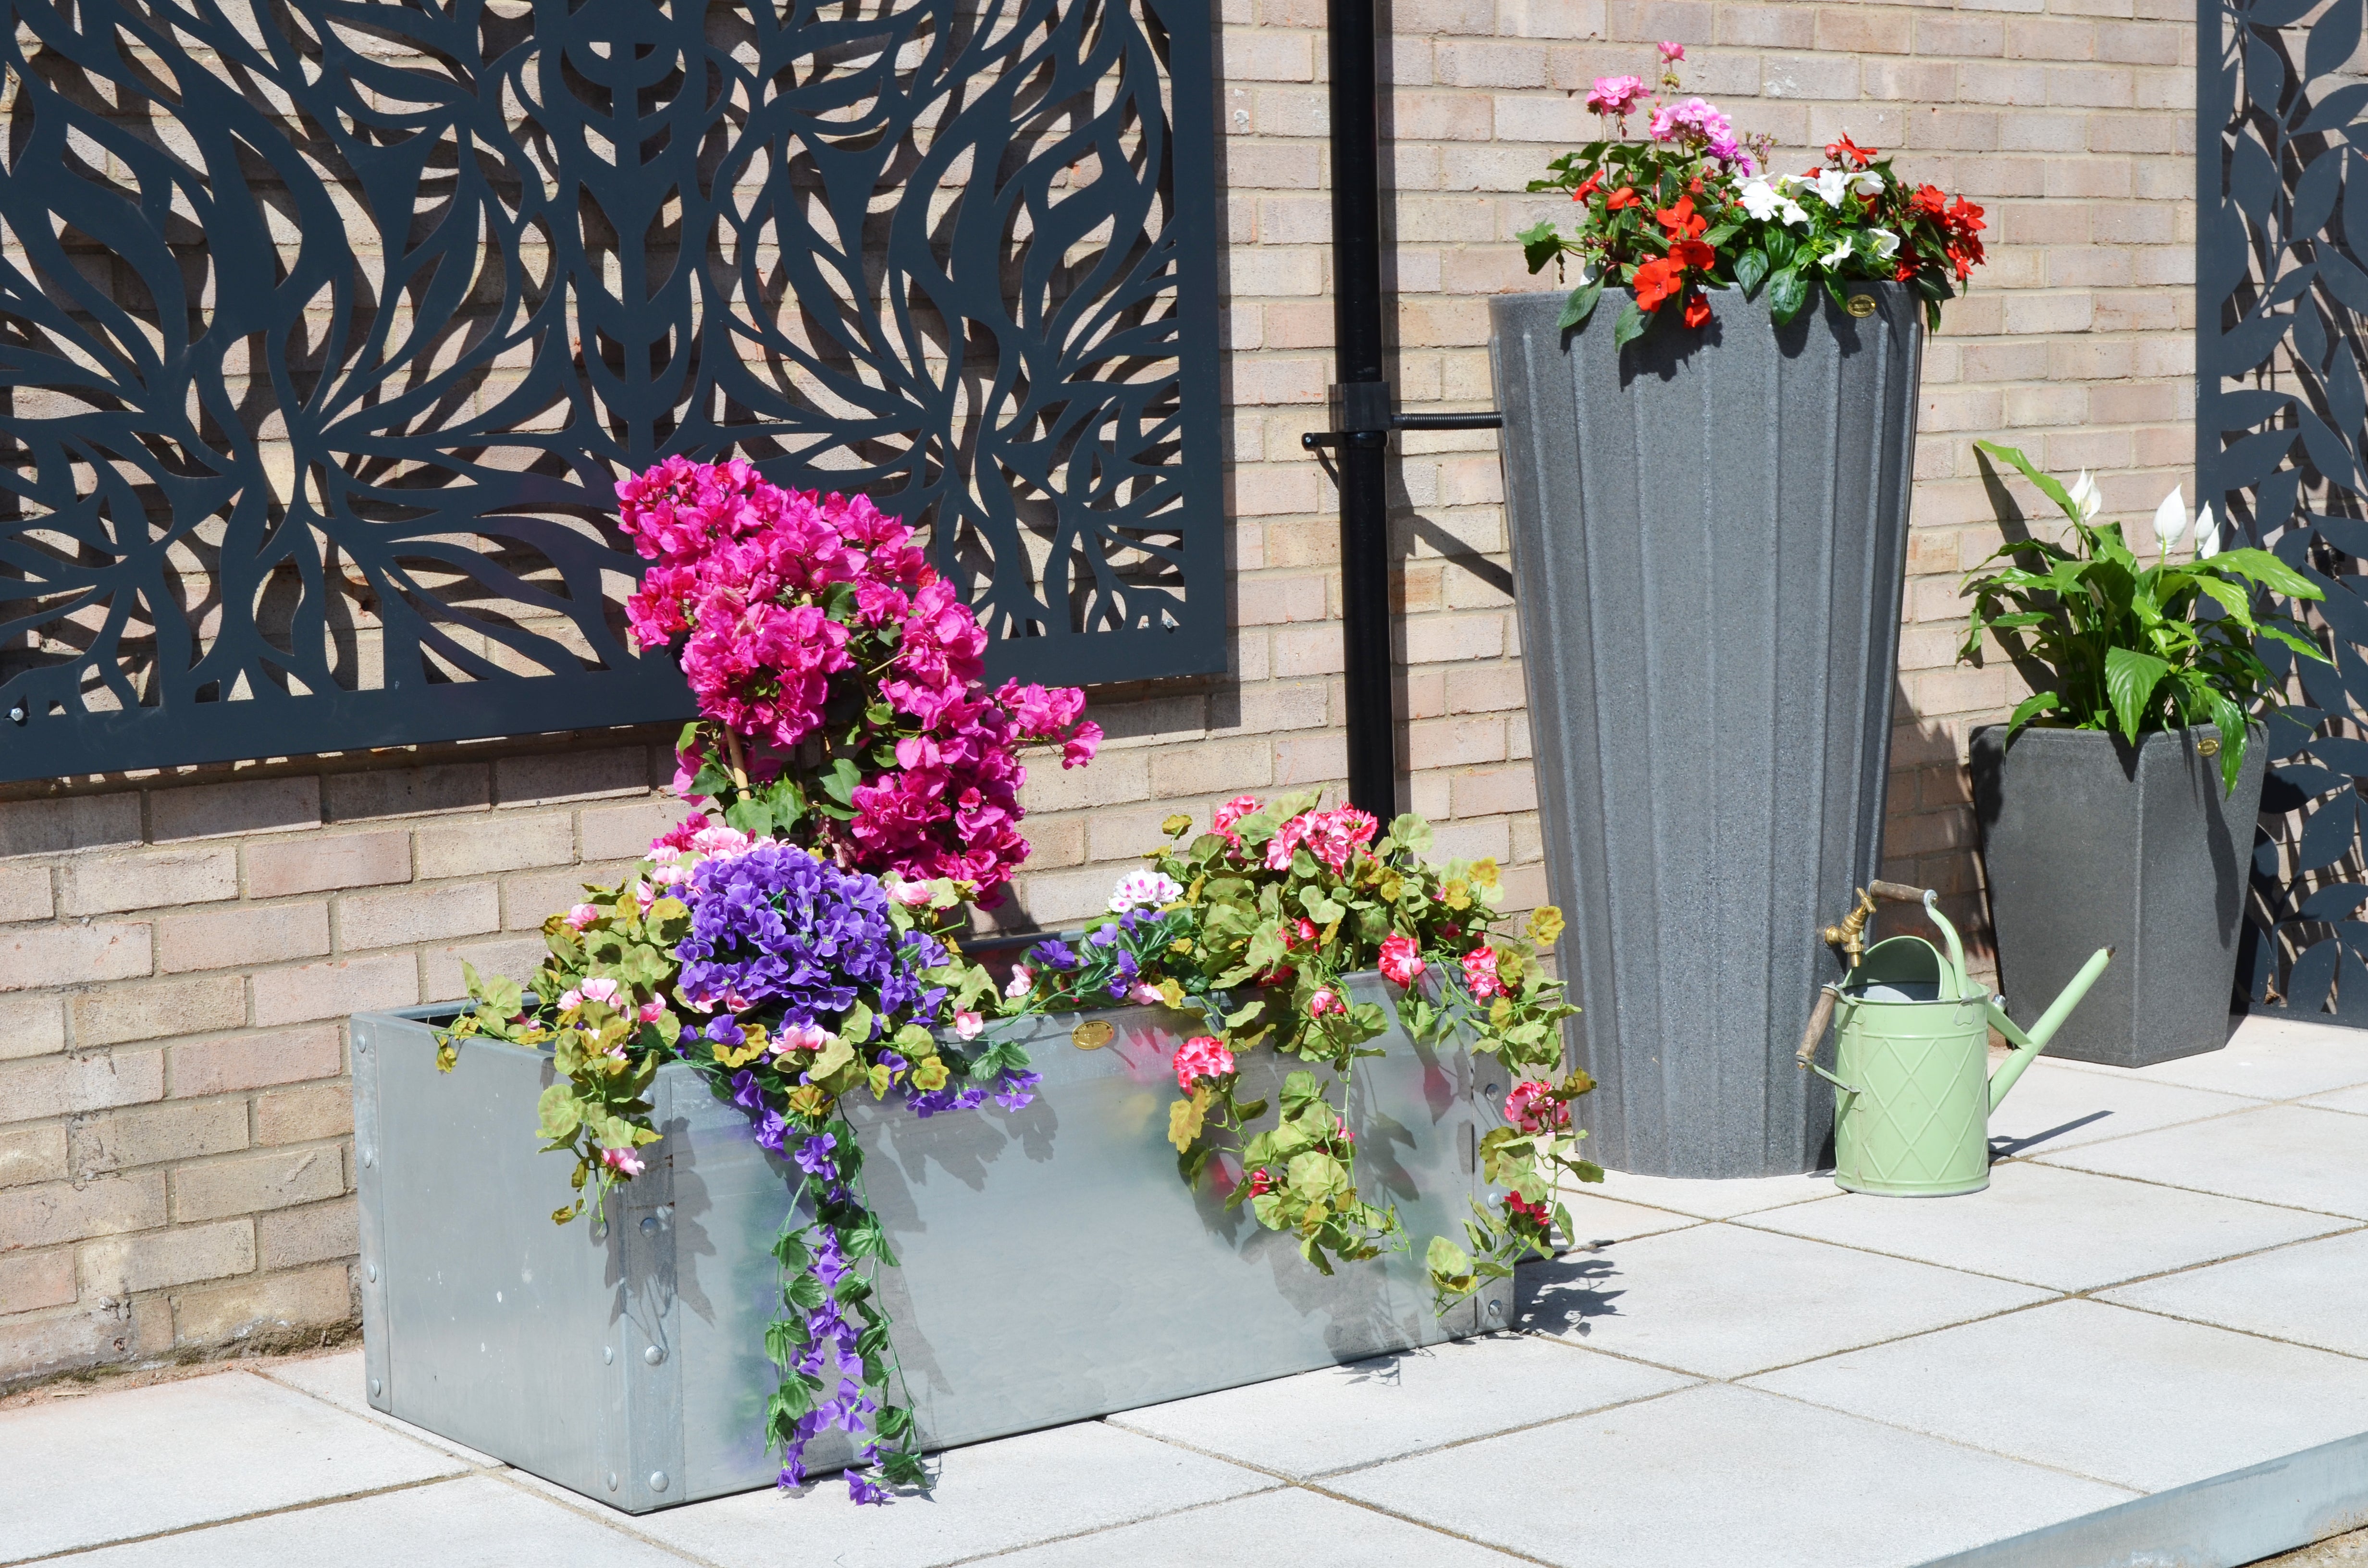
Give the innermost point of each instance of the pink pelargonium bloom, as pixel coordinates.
(1202, 1056)
(624, 1162)
(1022, 977)
(652, 1010)
(799, 1036)
(1400, 962)
(1231, 812)
(1532, 1107)
(1143, 993)
(582, 914)
(1616, 94)
(911, 894)
(1331, 837)
(1691, 122)
(600, 988)
(969, 1025)
(1671, 52)
(1324, 1000)
(1480, 973)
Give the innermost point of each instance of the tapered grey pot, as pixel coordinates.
(1708, 532)
(2089, 842)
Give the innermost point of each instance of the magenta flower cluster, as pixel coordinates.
(789, 605)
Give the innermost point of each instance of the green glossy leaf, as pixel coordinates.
(1787, 292)
(2048, 486)
(1632, 325)
(2130, 677)
(1750, 271)
(1579, 306)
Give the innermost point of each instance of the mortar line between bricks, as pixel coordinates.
(304, 1507)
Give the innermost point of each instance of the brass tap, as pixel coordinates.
(1850, 935)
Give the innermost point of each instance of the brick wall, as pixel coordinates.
(175, 954)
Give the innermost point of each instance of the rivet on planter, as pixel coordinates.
(612, 1481)
(657, 1481)
(370, 1272)
(649, 1224)
(377, 1388)
(608, 1358)
(370, 1158)
(654, 1354)
(1496, 1309)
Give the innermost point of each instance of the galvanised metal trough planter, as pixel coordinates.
(1053, 1268)
(1709, 531)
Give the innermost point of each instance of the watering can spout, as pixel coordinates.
(2026, 1046)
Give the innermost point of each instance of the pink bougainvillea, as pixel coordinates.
(816, 636)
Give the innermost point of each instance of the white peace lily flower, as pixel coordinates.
(1882, 243)
(2086, 501)
(1833, 185)
(1760, 199)
(1868, 184)
(1835, 256)
(2207, 533)
(2170, 519)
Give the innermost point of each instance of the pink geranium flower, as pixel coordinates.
(1202, 1056)
(1616, 94)
(1531, 1107)
(1480, 973)
(1400, 962)
(624, 1162)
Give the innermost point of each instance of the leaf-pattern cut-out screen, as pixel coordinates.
(326, 330)
(2282, 341)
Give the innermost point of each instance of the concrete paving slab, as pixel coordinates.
(1322, 1533)
(109, 1467)
(2101, 1390)
(2280, 1153)
(474, 1522)
(1725, 1475)
(2064, 1229)
(2353, 1100)
(1715, 1199)
(2054, 1107)
(2272, 1059)
(1368, 1410)
(989, 1497)
(1595, 1218)
(1724, 1301)
(2313, 1293)
(340, 1380)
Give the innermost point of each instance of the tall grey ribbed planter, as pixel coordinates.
(2087, 841)
(1709, 533)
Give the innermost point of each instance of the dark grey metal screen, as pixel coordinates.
(327, 328)
(2281, 344)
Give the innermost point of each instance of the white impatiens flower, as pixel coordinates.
(2086, 501)
(1882, 244)
(1840, 254)
(2170, 519)
(1144, 890)
(1833, 185)
(1868, 184)
(1793, 213)
(2207, 533)
(1760, 199)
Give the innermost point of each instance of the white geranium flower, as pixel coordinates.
(1840, 254)
(2086, 501)
(2170, 519)
(1144, 890)
(1760, 199)
(1833, 185)
(2207, 533)
(1882, 244)
(1868, 184)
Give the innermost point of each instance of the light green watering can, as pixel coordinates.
(1912, 1095)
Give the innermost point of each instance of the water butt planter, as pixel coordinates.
(1054, 1269)
(1709, 533)
(2088, 841)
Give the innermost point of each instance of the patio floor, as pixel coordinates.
(2147, 1342)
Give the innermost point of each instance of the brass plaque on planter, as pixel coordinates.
(1861, 305)
(1093, 1034)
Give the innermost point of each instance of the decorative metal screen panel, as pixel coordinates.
(2282, 336)
(327, 328)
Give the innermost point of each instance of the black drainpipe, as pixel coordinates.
(1360, 408)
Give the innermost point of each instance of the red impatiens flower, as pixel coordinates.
(1625, 197)
(1593, 183)
(1694, 253)
(1681, 221)
(1656, 281)
(1930, 203)
(1697, 309)
(1860, 156)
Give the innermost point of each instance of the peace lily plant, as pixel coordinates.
(2108, 644)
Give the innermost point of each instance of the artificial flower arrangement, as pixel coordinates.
(1691, 207)
(1258, 923)
(2108, 644)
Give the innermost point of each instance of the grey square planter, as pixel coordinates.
(2087, 841)
(1053, 1268)
(1709, 536)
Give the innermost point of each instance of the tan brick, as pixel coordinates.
(423, 915)
(220, 811)
(511, 844)
(333, 990)
(32, 1153)
(63, 1211)
(30, 1281)
(516, 957)
(244, 1183)
(623, 832)
(25, 893)
(32, 957)
(155, 880)
(161, 1259)
(305, 1114)
(254, 1062)
(407, 791)
(31, 1026)
(1219, 767)
(155, 1137)
(310, 1235)
(234, 939)
(77, 821)
(1487, 790)
(158, 1010)
(571, 776)
(68, 1086)
(325, 863)
(216, 1314)
(83, 1337)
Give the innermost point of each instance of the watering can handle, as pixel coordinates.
(1819, 1017)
